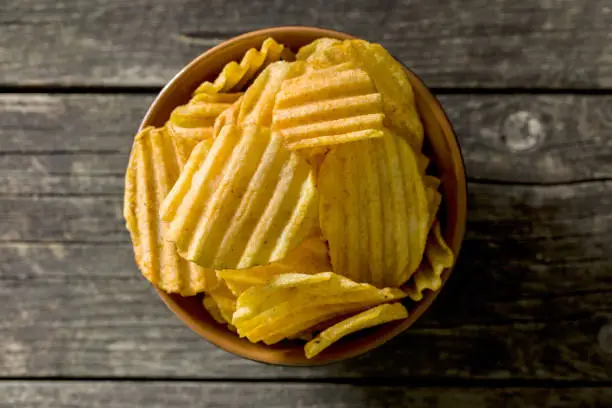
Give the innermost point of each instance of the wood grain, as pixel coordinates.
(159, 394)
(83, 310)
(67, 140)
(529, 298)
(472, 43)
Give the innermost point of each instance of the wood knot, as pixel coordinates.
(605, 338)
(522, 131)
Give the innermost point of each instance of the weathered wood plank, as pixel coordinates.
(52, 142)
(39, 123)
(212, 394)
(533, 284)
(83, 310)
(53, 219)
(459, 43)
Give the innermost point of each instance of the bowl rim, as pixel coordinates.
(218, 335)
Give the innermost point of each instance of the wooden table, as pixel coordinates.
(525, 320)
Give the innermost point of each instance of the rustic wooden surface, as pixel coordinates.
(213, 394)
(526, 319)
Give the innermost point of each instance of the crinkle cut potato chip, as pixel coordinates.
(387, 74)
(438, 257)
(373, 210)
(372, 317)
(194, 121)
(258, 102)
(315, 48)
(290, 303)
(293, 193)
(249, 202)
(152, 170)
(309, 257)
(329, 106)
(235, 76)
(434, 198)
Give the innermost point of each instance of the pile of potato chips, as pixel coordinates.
(292, 192)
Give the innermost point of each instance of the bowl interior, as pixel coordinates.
(443, 149)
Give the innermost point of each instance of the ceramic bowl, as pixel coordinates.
(440, 143)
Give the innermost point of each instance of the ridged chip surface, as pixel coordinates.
(248, 203)
(438, 257)
(309, 257)
(372, 317)
(327, 107)
(373, 210)
(234, 76)
(389, 78)
(194, 121)
(152, 170)
(290, 303)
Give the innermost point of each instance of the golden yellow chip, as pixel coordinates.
(372, 317)
(235, 76)
(258, 102)
(434, 198)
(290, 303)
(309, 257)
(438, 257)
(249, 202)
(389, 78)
(152, 170)
(373, 210)
(328, 107)
(228, 117)
(213, 309)
(194, 121)
(315, 48)
(224, 299)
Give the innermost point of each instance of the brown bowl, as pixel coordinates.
(441, 145)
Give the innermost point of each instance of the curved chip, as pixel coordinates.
(235, 76)
(438, 257)
(389, 78)
(224, 300)
(315, 48)
(309, 257)
(152, 170)
(373, 210)
(228, 117)
(290, 303)
(194, 121)
(372, 317)
(328, 106)
(213, 309)
(249, 202)
(258, 102)
(434, 198)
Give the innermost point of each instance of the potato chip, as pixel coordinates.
(194, 121)
(213, 309)
(438, 257)
(309, 257)
(373, 210)
(249, 203)
(315, 48)
(327, 107)
(372, 317)
(434, 198)
(235, 76)
(228, 117)
(224, 299)
(152, 170)
(258, 102)
(389, 78)
(290, 303)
